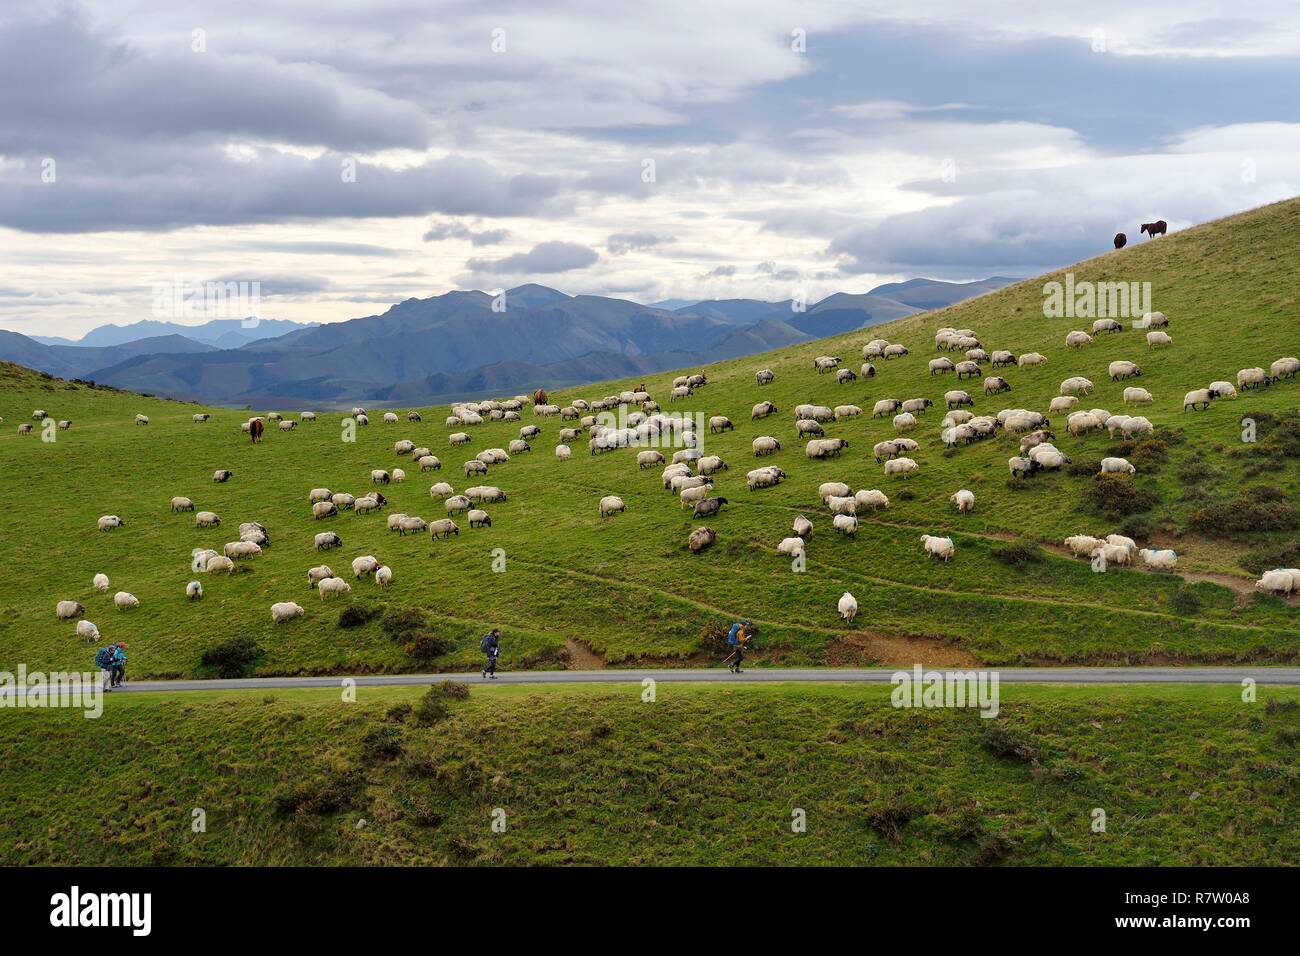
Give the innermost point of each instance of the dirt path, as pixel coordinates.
(578, 656)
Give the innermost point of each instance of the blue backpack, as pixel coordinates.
(104, 658)
(733, 636)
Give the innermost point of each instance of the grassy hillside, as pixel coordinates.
(627, 587)
(703, 775)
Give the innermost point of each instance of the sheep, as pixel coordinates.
(410, 524)
(241, 549)
(1159, 560)
(1199, 396)
(479, 518)
(845, 524)
(456, 504)
(1151, 320)
(765, 445)
(701, 538)
(1080, 423)
(307, 416)
(874, 349)
(1122, 370)
(1077, 339)
(762, 410)
(125, 599)
(201, 417)
(957, 397)
(181, 503)
(803, 527)
(1137, 426)
(288, 426)
(333, 585)
(222, 475)
(323, 509)
(518, 446)
(1279, 581)
(404, 447)
(64, 425)
(570, 434)
(40, 414)
(399, 475)
(440, 490)
(848, 607)
(1224, 389)
(219, 562)
(846, 411)
(886, 406)
(708, 506)
(384, 576)
(1083, 545)
(791, 546)
(720, 423)
(963, 500)
(940, 365)
(824, 363)
(342, 500)
(142, 419)
(475, 467)
(529, 431)
(1249, 378)
(413, 416)
(904, 422)
(366, 504)
(937, 547)
(1022, 467)
(872, 499)
(995, 384)
(1106, 325)
(108, 522)
(1117, 466)
(1003, 357)
(1031, 358)
(67, 610)
(563, 452)
(900, 467)
(807, 426)
(318, 574)
(1158, 338)
(1048, 457)
(894, 351)
(916, 406)
(100, 582)
(207, 519)
(846, 505)
(1136, 396)
(1115, 424)
(25, 429)
(1033, 439)
(319, 494)
(968, 369)
(1076, 385)
(1284, 368)
(458, 438)
(1062, 403)
(825, 447)
(366, 564)
(846, 375)
(87, 631)
(764, 376)
(611, 505)
(274, 417)
(285, 611)
(646, 459)
(764, 477)
(1108, 554)
(833, 489)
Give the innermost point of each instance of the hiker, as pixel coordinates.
(118, 662)
(491, 646)
(104, 661)
(737, 638)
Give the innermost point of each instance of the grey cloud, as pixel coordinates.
(438, 231)
(545, 257)
(622, 242)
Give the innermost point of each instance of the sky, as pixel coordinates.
(346, 155)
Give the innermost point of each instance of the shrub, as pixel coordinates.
(432, 708)
(453, 689)
(1136, 527)
(890, 812)
(399, 711)
(1019, 552)
(381, 743)
(426, 645)
(399, 624)
(1269, 556)
(232, 658)
(1006, 742)
(1083, 467)
(907, 494)
(713, 637)
(354, 615)
(1186, 601)
(319, 792)
(1117, 497)
(1262, 508)
(1149, 455)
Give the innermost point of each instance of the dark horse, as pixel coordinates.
(1120, 240)
(255, 430)
(540, 397)
(1155, 228)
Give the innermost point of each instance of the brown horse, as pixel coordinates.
(1156, 228)
(1120, 240)
(255, 430)
(540, 397)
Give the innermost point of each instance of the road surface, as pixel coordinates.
(882, 675)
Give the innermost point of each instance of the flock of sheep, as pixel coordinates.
(691, 474)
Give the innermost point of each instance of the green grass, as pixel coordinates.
(705, 774)
(627, 586)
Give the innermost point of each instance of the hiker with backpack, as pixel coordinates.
(104, 661)
(491, 646)
(118, 665)
(737, 639)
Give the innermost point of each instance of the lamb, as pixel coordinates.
(1199, 396)
(125, 599)
(207, 519)
(1136, 396)
(87, 631)
(848, 607)
(1121, 370)
(701, 538)
(803, 527)
(108, 522)
(764, 477)
(1158, 338)
(1083, 545)
(871, 499)
(791, 546)
(963, 500)
(384, 576)
(67, 610)
(563, 452)
(708, 506)
(1077, 339)
(180, 503)
(323, 509)
(285, 611)
(610, 505)
(1249, 378)
(845, 524)
(333, 585)
(1159, 560)
(937, 547)
(846, 505)
(222, 475)
(219, 562)
(241, 549)
(1032, 358)
(900, 466)
(457, 503)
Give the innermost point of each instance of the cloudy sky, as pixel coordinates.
(348, 154)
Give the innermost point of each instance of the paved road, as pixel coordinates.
(1021, 675)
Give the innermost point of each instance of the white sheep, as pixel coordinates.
(764, 477)
(1159, 560)
(87, 631)
(108, 522)
(872, 499)
(765, 445)
(411, 524)
(181, 503)
(125, 599)
(964, 501)
(1279, 581)
(1082, 545)
(846, 505)
(848, 607)
(1076, 385)
(1062, 403)
(1032, 358)
(1224, 389)
(219, 562)
(563, 452)
(1077, 339)
(1117, 466)
(900, 466)
(937, 547)
(67, 610)
(791, 546)
(241, 549)
(845, 524)
(285, 611)
(1136, 396)
(384, 576)
(366, 564)
(904, 422)
(319, 494)
(100, 582)
(611, 504)
(194, 591)
(1108, 554)
(1158, 338)
(836, 489)
(399, 475)
(1199, 396)
(207, 519)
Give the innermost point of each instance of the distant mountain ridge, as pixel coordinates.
(219, 333)
(460, 344)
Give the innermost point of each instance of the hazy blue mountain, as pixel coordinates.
(222, 333)
(74, 361)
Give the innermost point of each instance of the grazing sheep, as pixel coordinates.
(937, 547)
(1048, 457)
(846, 375)
(957, 397)
(87, 631)
(1108, 554)
(706, 507)
(207, 519)
(219, 562)
(443, 528)
(1022, 467)
(475, 467)
(720, 423)
(440, 490)
(411, 524)
(872, 499)
(845, 524)
(900, 466)
(848, 607)
(886, 406)
(100, 582)
(762, 410)
(1159, 560)
(1077, 339)
(825, 447)
(963, 500)
(1116, 466)
(1106, 325)
(108, 522)
(318, 574)
(125, 599)
(1249, 378)
(1033, 439)
(764, 376)
(518, 446)
(846, 411)
(709, 464)
(241, 549)
(701, 539)
(1003, 357)
(803, 527)
(791, 546)
(1032, 358)
(968, 369)
(807, 426)
(142, 419)
(457, 503)
(285, 611)
(342, 500)
(846, 505)
(1137, 426)
(333, 585)
(67, 610)
(384, 576)
(1083, 545)
(366, 564)
(1151, 320)
(1224, 389)
(222, 475)
(458, 438)
(1279, 581)
(765, 445)
(824, 363)
(1080, 423)
(1284, 368)
(413, 416)
(940, 365)
(1201, 397)
(323, 509)
(288, 426)
(404, 447)
(995, 384)
(25, 429)
(201, 417)
(307, 416)
(646, 459)
(894, 351)
(366, 504)
(833, 489)
(1136, 396)
(479, 518)
(319, 494)
(1062, 403)
(180, 503)
(1121, 370)
(399, 475)
(904, 422)
(916, 406)
(1076, 385)
(610, 505)
(563, 452)
(767, 477)
(64, 425)
(1158, 338)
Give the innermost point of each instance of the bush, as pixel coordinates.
(1018, 552)
(1083, 467)
(354, 615)
(322, 791)
(232, 658)
(1262, 508)
(1117, 497)
(427, 645)
(713, 638)
(1005, 742)
(1186, 602)
(401, 623)
(399, 712)
(453, 689)
(1269, 556)
(432, 708)
(1149, 455)
(907, 494)
(381, 743)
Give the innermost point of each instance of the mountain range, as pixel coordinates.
(458, 345)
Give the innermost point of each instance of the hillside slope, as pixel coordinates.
(627, 587)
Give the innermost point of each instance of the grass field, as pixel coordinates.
(628, 588)
(702, 775)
